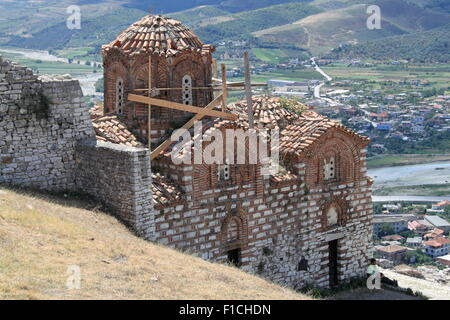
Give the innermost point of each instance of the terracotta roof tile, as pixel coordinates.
(392, 249)
(110, 129)
(165, 191)
(159, 35)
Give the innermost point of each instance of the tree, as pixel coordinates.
(386, 229)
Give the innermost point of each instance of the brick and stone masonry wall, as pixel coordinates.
(120, 178)
(275, 229)
(41, 121)
(47, 142)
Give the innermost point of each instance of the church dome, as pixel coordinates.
(158, 35)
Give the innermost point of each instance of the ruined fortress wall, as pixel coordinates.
(41, 121)
(119, 177)
(47, 142)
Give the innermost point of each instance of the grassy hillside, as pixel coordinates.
(243, 24)
(94, 32)
(428, 46)
(327, 30)
(40, 236)
(228, 5)
(199, 15)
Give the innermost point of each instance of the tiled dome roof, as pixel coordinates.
(159, 35)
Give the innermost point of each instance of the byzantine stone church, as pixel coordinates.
(308, 224)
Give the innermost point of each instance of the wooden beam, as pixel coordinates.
(150, 106)
(215, 71)
(224, 87)
(187, 126)
(248, 90)
(181, 107)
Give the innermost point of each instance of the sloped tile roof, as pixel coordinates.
(96, 112)
(299, 127)
(164, 191)
(111, 129)
(438, 242)
(392, 248)
(158, 35)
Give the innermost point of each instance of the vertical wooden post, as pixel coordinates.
(224, 87)
(215, 75)
(149, 106)
(248, 90)
(215, 71)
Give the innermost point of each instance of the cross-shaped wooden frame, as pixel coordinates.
(221, 99)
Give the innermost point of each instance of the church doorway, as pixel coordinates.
(234, 257)
(333, 262)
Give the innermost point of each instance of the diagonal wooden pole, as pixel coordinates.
(187, 126)
(182, 107)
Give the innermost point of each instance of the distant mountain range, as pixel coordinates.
(411, 29)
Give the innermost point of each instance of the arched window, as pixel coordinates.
(187, 90)
(223, 172)
(120, 103)
(232, 231)
(329, 169)
(332, 216)
(334, 213)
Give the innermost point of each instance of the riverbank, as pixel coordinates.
(43, 62)
(394, 160)
(431, 190)
(412, 177)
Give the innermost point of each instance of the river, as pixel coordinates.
(87, 80)
(411, 175)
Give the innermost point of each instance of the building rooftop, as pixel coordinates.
(164, 190)
(414, 240)
(111, 129)
(438, 242)
(158, 35)
(394, 237)
(435, 233)
(392, 249)
(446, 258)
(383, 218)
(437, 221)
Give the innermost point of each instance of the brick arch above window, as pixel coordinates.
(115, 71)
(234, 230)
(335, 159)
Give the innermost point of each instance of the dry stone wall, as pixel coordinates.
(119, 177)
(41, 121)
(47, 142)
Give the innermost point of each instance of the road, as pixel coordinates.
(326, 76)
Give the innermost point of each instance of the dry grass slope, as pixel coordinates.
(40, 236)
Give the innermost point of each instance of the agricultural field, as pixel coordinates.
(50, 67)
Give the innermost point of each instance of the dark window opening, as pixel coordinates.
(303, 265)
(234, 257)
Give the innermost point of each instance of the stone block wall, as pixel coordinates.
(47, 142)
(120, 178)
(41, 121)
